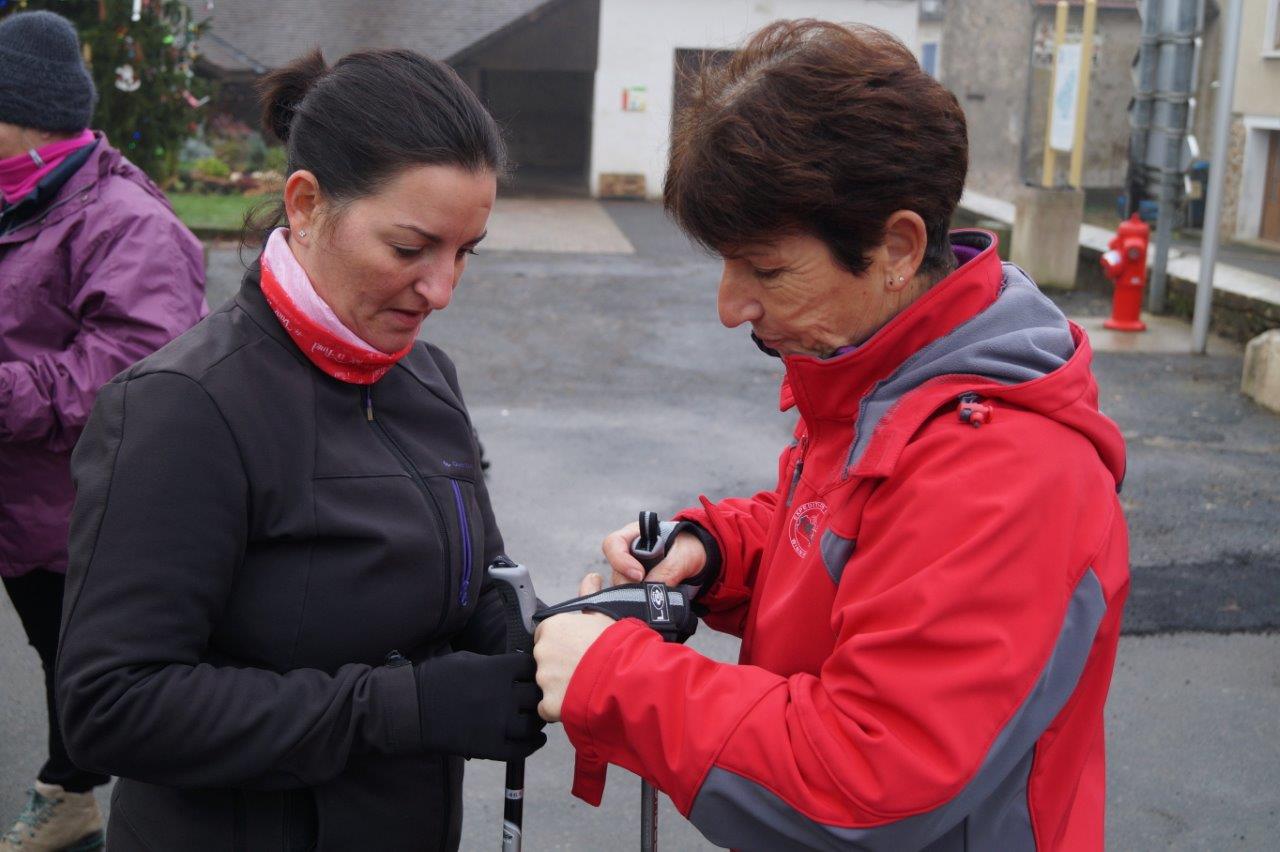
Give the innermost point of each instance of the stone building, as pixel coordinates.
(1251, 201)
(998, 60)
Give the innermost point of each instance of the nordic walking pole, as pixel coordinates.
(516, 590)
(645, 549)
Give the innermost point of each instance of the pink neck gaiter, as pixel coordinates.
(313, 325)
(19, 175)
(295, 283)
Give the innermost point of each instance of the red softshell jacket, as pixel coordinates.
(929, 601)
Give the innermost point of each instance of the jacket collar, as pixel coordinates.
(48, 187)
(831, 389)
(253, 303)
(80, 189)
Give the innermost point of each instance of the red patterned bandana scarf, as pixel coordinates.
(337, 358)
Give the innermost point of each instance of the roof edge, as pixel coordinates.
(530, 17)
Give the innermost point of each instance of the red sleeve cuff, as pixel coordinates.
(589, 767)
(577, 698)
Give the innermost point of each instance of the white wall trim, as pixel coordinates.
(1253, 174)
(1261, 122)
(1270, 39)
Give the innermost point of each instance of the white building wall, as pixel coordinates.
(638, 41)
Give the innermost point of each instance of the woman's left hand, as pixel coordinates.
(560, 643)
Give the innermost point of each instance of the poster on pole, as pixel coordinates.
(1066, 83)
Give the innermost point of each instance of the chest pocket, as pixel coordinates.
(837, 540)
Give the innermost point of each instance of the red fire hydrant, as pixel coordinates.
(1125, 263)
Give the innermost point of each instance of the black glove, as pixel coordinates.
(478, 706)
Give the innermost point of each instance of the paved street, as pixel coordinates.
(602, 383)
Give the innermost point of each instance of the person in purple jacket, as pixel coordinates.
(96, 272)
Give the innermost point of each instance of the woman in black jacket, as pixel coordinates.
(277, 629)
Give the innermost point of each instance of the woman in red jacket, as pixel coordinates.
(929, 600)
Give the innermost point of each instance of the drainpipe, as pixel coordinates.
(1173, 95)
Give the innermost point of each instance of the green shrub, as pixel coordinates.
(276, 159)
(211, 167)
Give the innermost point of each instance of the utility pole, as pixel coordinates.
(1082, 93)
(1217, 173)
(1059, 36)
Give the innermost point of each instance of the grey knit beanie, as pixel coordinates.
(43, 81)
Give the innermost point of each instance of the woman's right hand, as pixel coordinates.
(684, 559)
(475, 705)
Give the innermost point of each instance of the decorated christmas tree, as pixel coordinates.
(141, 54)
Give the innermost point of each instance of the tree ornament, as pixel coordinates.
(127, 79)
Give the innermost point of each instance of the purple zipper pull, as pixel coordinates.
(465, 585)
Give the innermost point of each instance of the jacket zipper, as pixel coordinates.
(799, 468)
(466, 543)
(401, 457)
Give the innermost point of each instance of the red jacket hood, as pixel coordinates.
(985, 329)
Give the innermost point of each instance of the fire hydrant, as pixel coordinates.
(1125, 263)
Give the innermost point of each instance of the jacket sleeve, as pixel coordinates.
(138, 286)
(962, 624)
(158, 532)
(740, 527)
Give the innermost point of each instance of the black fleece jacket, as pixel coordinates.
(251, 540)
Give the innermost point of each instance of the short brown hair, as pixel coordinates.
(818, 128)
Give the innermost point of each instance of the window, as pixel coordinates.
(929, 58)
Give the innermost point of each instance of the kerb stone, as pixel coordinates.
(1261, 379)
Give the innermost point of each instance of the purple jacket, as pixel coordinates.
(100, 277)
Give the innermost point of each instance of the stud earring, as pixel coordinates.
(302, 233)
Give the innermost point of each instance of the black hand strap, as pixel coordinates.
(667, 611)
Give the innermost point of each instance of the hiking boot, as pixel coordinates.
(56, 821)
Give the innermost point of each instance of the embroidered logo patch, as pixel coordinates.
(805, 523)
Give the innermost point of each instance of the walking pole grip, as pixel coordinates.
(515, 588)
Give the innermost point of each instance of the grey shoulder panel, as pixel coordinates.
(991, 812)
(836, 551)
(1020, 337)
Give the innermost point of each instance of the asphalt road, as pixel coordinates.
(602, 385)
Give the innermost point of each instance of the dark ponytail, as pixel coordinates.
(282, 90)
(358, 124)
